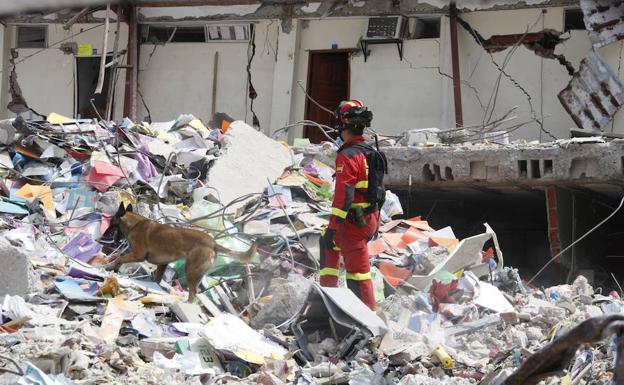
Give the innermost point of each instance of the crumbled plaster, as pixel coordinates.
(359, 4)
(474, 5)
(200, 11)
(311, 8)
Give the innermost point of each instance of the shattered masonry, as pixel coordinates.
(450, 310)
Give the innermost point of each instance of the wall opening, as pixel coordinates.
(427, 174)
(437, 173)
(87, 73)
(548, 168)
(448, 173)
(535, 169)
(156, 34)
(32, 36)
(584, 168)
(425, 27)
(573, 19)
(522, 169)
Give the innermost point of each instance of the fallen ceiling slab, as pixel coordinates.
(604, 20)
(594, 94)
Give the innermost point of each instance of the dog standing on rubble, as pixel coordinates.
(162, 244)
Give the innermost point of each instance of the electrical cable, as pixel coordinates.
(577, 241)
(323, 128)
(300, 83)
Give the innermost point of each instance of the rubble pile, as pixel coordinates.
(449, 311)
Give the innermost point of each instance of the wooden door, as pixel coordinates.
(328, 84)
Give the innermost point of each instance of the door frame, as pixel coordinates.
(309, 76)
(108, 55)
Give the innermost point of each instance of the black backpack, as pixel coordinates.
(377, 168)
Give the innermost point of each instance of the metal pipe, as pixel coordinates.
(459, 117)
(130, 95)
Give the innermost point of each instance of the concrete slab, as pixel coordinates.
(249, 159)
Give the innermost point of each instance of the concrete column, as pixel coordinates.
(446, 117)
(284, 77)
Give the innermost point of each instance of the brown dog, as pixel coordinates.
(162, 244)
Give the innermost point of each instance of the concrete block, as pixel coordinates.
(17, 276)
(248, 160)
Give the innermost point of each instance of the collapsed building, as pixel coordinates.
(501, 70)
(490, 112)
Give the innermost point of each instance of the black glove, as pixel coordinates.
(327, 241)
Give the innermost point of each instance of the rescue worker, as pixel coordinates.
(353, 220)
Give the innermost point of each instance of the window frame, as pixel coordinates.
(425, 17)
(44, 27)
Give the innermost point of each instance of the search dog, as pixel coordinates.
(161, 244)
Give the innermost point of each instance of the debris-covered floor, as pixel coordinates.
(449, 311)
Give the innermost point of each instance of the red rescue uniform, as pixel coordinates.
(351, 239)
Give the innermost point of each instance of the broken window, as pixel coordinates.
(174, 34)
(573, 19)
(426, 27)
(237, 32)
(31, 36)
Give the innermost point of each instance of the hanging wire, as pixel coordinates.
(577, 241)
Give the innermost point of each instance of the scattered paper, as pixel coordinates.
(42, 192)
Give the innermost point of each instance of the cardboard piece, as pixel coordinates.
(393, 274)
(377, 247)
(395, 240)
(103, 175)
(44, 193)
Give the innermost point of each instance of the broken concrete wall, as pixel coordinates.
(402, 94)
(178, 77)
(48, 78)
(541, 78)
(249, 162)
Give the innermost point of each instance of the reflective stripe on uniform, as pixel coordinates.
(339, 213)
(359, 276)
(329, 271)
(362, 184)
(364, 205)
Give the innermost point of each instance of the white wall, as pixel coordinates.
(178, 77)
(402, 94)
(47, 78)
(525, 67)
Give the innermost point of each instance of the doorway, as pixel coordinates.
(87, 73)
(328, 84)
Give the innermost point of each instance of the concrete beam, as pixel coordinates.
(492, 166)
(284, 77)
